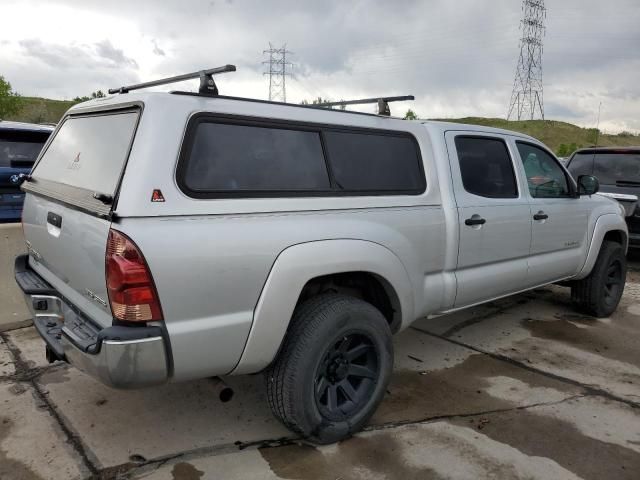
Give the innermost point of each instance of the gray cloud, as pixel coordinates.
(458, 58)
(157, 50)
(59, 56)
(115, 56)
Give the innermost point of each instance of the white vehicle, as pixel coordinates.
(175, 236)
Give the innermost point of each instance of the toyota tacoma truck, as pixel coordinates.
(186, 235)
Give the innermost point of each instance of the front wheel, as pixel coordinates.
(600, 292)
(333, 369)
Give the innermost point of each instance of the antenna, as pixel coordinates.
(383, 103)
(526, 97)
(277, 72)
(207, 84)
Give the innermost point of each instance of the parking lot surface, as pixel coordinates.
(520, 388)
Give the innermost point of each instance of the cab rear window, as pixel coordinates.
(89, 152)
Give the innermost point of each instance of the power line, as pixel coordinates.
(277, 71)
(526, 96)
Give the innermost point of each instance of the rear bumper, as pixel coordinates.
(118, 356)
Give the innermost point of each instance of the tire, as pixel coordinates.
(600, 292)
(332, 339)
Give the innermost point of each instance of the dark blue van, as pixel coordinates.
(20, 144)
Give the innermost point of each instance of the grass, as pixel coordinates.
(561, 137)
(41, 110)
(554, 133)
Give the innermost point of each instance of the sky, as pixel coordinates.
(457, 57)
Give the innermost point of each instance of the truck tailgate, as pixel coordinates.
(68, 206)
(67, 248)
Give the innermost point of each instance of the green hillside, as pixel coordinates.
(562, 137)
(41, 110)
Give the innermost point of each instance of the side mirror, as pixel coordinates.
(588, 185)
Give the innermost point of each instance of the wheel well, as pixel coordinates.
(364, 285)
(615, 236)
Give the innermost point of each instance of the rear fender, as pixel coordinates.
(293, 268)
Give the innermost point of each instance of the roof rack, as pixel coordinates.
(383, 103)
(207, 84)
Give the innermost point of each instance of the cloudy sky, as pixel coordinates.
(457, 57)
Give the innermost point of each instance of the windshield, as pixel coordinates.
(609, 168)
(20, 149)
(89, 152)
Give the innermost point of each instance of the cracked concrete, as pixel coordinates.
(520, 388)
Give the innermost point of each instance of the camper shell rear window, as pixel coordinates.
(89, 151)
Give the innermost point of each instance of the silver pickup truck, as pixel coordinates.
(177, 236)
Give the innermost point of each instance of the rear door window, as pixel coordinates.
(89, 152)
(486, 167)
(231, 158)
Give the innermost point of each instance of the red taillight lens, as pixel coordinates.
(132, 294)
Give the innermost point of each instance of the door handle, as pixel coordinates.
(475, 220)
(540, 216)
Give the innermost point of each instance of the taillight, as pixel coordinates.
(131, 290)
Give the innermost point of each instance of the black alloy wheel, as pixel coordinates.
(346, 377)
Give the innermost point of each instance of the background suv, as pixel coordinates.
(20, 144)
(618, 171)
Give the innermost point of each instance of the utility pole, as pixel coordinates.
(598, 124)
(526, 97)
(277, 71)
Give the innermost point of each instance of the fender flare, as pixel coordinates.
(606, 223)
(293, 268)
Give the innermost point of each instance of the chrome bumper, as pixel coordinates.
(122, 364)
(118, 356)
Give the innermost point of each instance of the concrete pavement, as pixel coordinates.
(520, 388)
(13, 311)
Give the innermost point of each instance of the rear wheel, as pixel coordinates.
(600, 292)
(333, 369)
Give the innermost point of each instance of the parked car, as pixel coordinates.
(618, 171)
(20, 144)
(207, 235)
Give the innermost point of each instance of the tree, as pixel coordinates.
(319, 100)
(410, 115)
(315, 101)
(563, 150)
(10, 101)
(96, 94)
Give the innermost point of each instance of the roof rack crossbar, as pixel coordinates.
(383, 103)
(207, 84)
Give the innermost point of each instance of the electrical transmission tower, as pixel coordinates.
(526, 98)
(277, 72)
